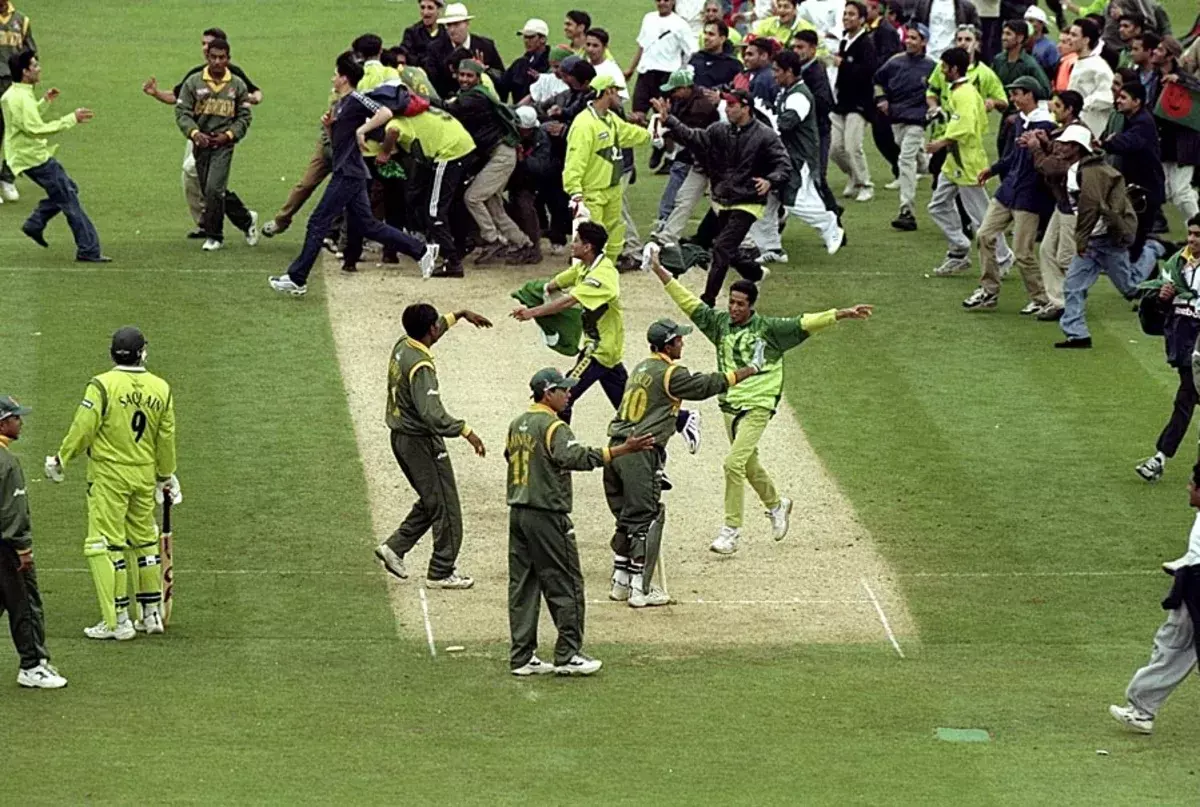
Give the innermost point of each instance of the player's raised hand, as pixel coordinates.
(478, 320)
(477, 444)
(856, 312)
(83, 115)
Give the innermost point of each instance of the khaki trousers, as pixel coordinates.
(1055, 254)
(1025, 227)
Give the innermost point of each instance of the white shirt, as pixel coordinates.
(610, 68)
(764, 9)
(546, 87)
(942, 26)
(1092, 78)
(666, 42)
(692, 12)
(825, 16)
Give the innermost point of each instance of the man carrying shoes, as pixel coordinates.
(542, 558)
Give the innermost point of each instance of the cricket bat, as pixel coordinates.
(166, 550)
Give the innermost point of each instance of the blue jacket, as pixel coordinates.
(904, 82)
(714, 70)
(1020, 186)
(1139, 155)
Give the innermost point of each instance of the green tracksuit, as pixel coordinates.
(542, 558)
(633, 483)
(419, 424)
(213, 107)
(19, 594)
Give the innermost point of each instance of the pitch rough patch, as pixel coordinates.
(805, 589)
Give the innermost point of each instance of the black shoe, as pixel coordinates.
(36, 236)
(448, 271)
(1075, 344)
(492, 253)
(197, 233)
(656, 158)
(628, 263)
(96, 259)
(906, 221)
(389, 258)
(349, 267)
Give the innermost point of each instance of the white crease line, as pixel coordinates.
(1115, 573)
(428, 624)
(882, 618)
(794, 601)
(127, 270)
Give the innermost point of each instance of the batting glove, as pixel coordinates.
(54, 469)
(760, 358)
(579, 209)
(171, 482)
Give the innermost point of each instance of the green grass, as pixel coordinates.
(965, 443)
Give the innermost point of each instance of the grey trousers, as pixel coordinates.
(689, 196)
(191, 185)
(485, 199)
(911, 139)
(633, 240)
(1173, 657)
(945, 214)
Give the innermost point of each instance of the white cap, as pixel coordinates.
(455, 12)
(1035, 14)
(1077, 133)
(527, 117)
(535, 27)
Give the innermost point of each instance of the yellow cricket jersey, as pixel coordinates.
(597, 288)
(441, 137)
(374, 74)
(126, 417)
(777, 29)
(594, 144)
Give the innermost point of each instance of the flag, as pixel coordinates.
(1178, 104)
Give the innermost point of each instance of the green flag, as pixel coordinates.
(1179, 104)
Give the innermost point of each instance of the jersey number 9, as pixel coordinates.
(138, 424)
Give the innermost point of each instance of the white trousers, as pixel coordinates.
(1179, 188)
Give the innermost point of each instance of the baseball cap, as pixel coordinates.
(602, 83)
(10, 408)
(560, 53)
(680, 78)
(1035, 14)
(664, 330)
(534, 27)
(923, 30)
(549, 378)
(1027, 83)
(1077, 133)
(526, 117)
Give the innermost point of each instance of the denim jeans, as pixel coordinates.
(62, 196)
(679, 172)
(348, 194)
(1101, 256)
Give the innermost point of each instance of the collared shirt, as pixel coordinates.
(666, 42)
(25, 144)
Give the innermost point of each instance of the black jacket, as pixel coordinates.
(918, 11)
(817, 81)
(887, 41)
(1140, 158)
(855, 90)
(515, 82)
(696, 112)
(417, 40)
(733, 156)
(480, 117)
(442, 74)
(1185, 593)
(714, 71)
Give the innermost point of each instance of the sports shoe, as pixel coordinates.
(629, 263)
(8, 192)
(558, 249)
(1031, 308)
(579, 665)
(664, 481)
(726, 542)
(350, 268)
(905, 221)
(1004, 265)
(649, 599)
(151, 623)
(619, 591)
(211, 245)
(37, 236)
(535, 666)
(491, 253)
(528, 255)
(952, 266)
(773, 256)
(849, 190)
(691, 431)
(285, 285)
(449, 271)
(766, 272)
(1084, 343)
(393, 563)
(837, 243)
(779, 515)
(330, 246)
(271, 229)
(1150, 469)
(43, 676)
(389, 257)
(1133, 717)
(252, 231)
(865, 194)
(894, 185)
(453, 581)
(121, 633)
(1189, 558)
(1049, 313)
(980, 299)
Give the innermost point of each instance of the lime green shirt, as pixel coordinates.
(777, 29)
(126, 417)
(374, 74)
(441, 137)
(25, 144)
(594, 144)
(983, 77)
(966, 129)
(597, 288)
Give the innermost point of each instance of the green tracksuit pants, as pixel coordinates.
(633, 488)
(426, 465)
(20, 597)
(212, 169)
(543, 562)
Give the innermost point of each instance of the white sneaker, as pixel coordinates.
(211, 245)
(894, 185)
(773, 256)
(579, 665)
(42, 676)
(252, 231)
(779, 515)
(1032, 308)
(833, 246)
(649, 599)
(1004, 265)
(270, 229)
(149, 623)
(849, 190)
(8, 192)
(726, 543)
(428, 259)
(691, 431)
(393, 563)
(558, 249)
(1150, 469)
(981, 298)
(123, 632)
(1189, 558)
(619, 591)
(535, 666)
(1133, 717)
(952, 266)
(285, 285)
(454, 581)
(865, 194)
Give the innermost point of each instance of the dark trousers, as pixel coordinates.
(989, 38)
(881, 133)
(62, 196)
(1181, 416)
(19, 596)
(426, 466)
(350, 195)
(445, 197)
(6, 174)
(522, 208)
(212, 170)
(1145, 222)
(552, 196)
(392, 201)
(633, 488)
(543, 562)
(649, 85)
(826, 193)
(723, 233)
(589, 371)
